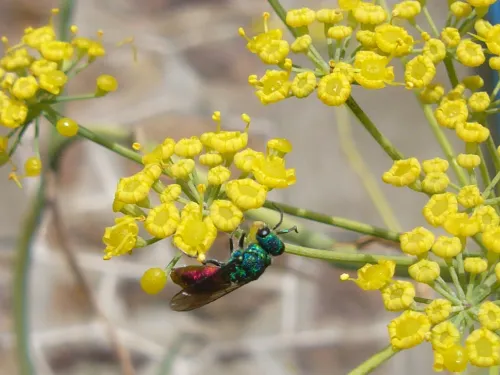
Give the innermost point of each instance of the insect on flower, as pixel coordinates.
(206, 283)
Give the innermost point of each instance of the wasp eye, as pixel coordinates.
(263, 232)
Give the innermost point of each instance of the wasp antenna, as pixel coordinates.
(281, 216)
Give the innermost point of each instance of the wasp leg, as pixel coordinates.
(285, 231)
(241, 242)
(213, 261)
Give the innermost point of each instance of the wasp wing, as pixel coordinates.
(206, 289)
(191, 298)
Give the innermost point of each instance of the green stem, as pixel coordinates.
(494, 370)
(21, 280)
(492, 150)
(445, 144)
(386, 145)
(491, 186)
(450, 69)
(352, 225)
(430, 21)
(358, 164)
(61, 99)
(485, 174)
(375, 361)
(173, 262)
(456, 282)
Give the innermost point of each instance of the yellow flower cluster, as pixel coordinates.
(33, 75)
(198, 203)
(362, 40)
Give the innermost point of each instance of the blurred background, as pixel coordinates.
(298, 318)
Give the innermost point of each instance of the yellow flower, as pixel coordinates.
(409, 329)
(329, 16)
(482, 26)
(470, 54)
(398, 295)
(373, 276)
(494, 63)
(424, 271)
(447, 247)
(475, 265)
(444, 335)
(120, 238)
(188, 147)
(435, 165)
(472, 132)
(161, 154)
(56, 50)
(345, 69)
(271, 172)
(36, 37)
(162, 221)
(52, 81)
(469, 196)
(348, 4)
(460, 10)
(226, 142)
(218, 175)
(449, 113)
(195, 235)
(479, 101)
(455, 359)
(301, 44)
(491, 239)
(133, 189)
(171, 193)
(334, 89)
(369, 14)
(450, 36)
(493, 39)
(435, 182)
(41, 66)
(274, 52)
(473, 83)
(468, 161)
(211, 159)
(419, 72)
(278, 147)
(432, 93)
(406, 9)
(481, 3)
(393, 40)
(15, 60)
(272, 87)
(303, 84)
(487, 216)
(438, 310)
(403, 172)
(245, 159)
(366, 38)
(300, 17)
(483, 348)
(225, 215)
(13, 114)
(246, 193)
(372, 70)
(416, 242)
(461, 225)
(339, 32)
(25, 87)
(182, 168)
(435, 50)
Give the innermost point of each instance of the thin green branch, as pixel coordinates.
(358, 164)
(21, 280)
(339, 222)
(445, 144)
(375, 361)
(386, 145)
(450, 69)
